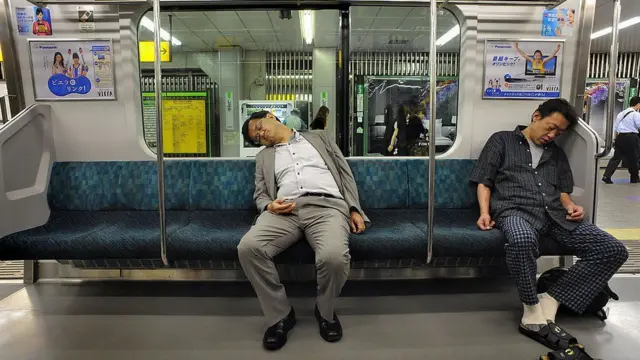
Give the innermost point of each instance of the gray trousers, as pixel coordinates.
(324, 222)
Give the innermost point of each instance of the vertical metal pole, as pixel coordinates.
(432, 124)
(344, 117)
(613, 67)
(159, 138)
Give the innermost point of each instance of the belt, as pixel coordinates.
(325, 195)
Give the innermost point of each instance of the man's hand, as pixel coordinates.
(356, 222)
(280, 207)
(485, 222)
(575, 212)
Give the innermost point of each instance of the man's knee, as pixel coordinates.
(619, 252)
(336, 259)
(524, 242)
(249, 248)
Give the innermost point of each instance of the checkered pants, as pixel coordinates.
(600, 256)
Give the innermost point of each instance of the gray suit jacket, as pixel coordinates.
(265, 179)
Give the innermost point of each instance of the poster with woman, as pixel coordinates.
(72, 69)
(522, 69)
(34, 20)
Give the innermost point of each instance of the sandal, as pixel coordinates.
(551, 336)
(575, 352)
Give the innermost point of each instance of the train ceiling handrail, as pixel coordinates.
(262, 3)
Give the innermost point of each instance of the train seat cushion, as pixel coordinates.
(216, 235)
(86, 235)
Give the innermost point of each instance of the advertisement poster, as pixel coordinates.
(522, 69)
(34, 21)
(558, 22)
(72, 70)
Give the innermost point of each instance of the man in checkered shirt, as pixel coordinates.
(523, 184)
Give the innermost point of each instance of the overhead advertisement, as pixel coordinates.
(522, 69)
(184, 122)
(72, 69)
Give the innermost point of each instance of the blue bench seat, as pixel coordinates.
(108, 210)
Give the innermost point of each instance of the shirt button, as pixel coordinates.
(530, 164)
(297, 164)
(294, 153)
(543, 194)
(301, 187)
(536, 173)
(546, 207)
(527, 150)
(539, 184)
(298, 173)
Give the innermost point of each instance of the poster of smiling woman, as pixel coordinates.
(72, 69)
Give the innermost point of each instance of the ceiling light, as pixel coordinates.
(623, 24)
(306, 25)
(149, 25)
(448, 35)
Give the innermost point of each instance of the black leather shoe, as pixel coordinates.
(607, 180)
(330, 331)
(276, 335)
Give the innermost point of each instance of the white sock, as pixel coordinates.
(549, 306)
(533, 315)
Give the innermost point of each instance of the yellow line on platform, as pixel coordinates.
(625, 234)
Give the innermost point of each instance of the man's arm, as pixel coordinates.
(260, 194)
(484, 175)
(351, 196)
(565, 185)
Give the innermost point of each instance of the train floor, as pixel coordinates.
(453, 319)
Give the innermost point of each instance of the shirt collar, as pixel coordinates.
(295, 136)
(518, 131)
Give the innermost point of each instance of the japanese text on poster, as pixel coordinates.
(522, 70)
(72, 70)
(558, 22)
(34, 21)
(184, 122)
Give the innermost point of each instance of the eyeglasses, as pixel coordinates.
(257, 130)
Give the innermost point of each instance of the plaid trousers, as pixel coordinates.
(600, 256)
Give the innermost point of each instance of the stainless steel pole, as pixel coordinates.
(613, 68)
(433, 66)
(159, 141)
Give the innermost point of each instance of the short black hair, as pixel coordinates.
(318, 123)
(538, 51)
(560, 106)
(634, 101)
(245, 126)
(39, 11)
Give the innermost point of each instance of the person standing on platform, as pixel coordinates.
(627, 142)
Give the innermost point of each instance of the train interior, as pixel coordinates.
(128, 185)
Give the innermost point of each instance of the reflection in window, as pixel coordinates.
(220, 66)
(390, 84)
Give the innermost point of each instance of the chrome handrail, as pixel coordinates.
(159, 138)
(613, 67)
(432, 127)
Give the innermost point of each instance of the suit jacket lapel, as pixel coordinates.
(270, 171)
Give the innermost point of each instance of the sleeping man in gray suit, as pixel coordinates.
(303, 187)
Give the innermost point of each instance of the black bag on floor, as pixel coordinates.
(595, 308)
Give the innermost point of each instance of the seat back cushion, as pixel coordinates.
(452, 190)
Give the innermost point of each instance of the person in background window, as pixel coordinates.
(58, 64)
(318, 123)
(303, 187)
(322, 113)
(415, 130)
(524, 183)
(293, 121)
(41, 27)
(627, 145)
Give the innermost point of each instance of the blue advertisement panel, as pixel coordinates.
(522, 69)
(558, 22)
(34, 21)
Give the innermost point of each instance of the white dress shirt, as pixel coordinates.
(300, 169)
(627, 123)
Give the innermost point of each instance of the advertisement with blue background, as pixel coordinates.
(34, 21)
(558, 22)
(72, 70)
(522, 69)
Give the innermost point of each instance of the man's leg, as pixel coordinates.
(327, 231)
(600, 256)
(271, 235)
(613, 163)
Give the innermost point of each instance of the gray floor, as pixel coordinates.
(619, 203)
(393, 320)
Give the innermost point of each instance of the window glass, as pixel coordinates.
(221, 66)
(389, 67)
